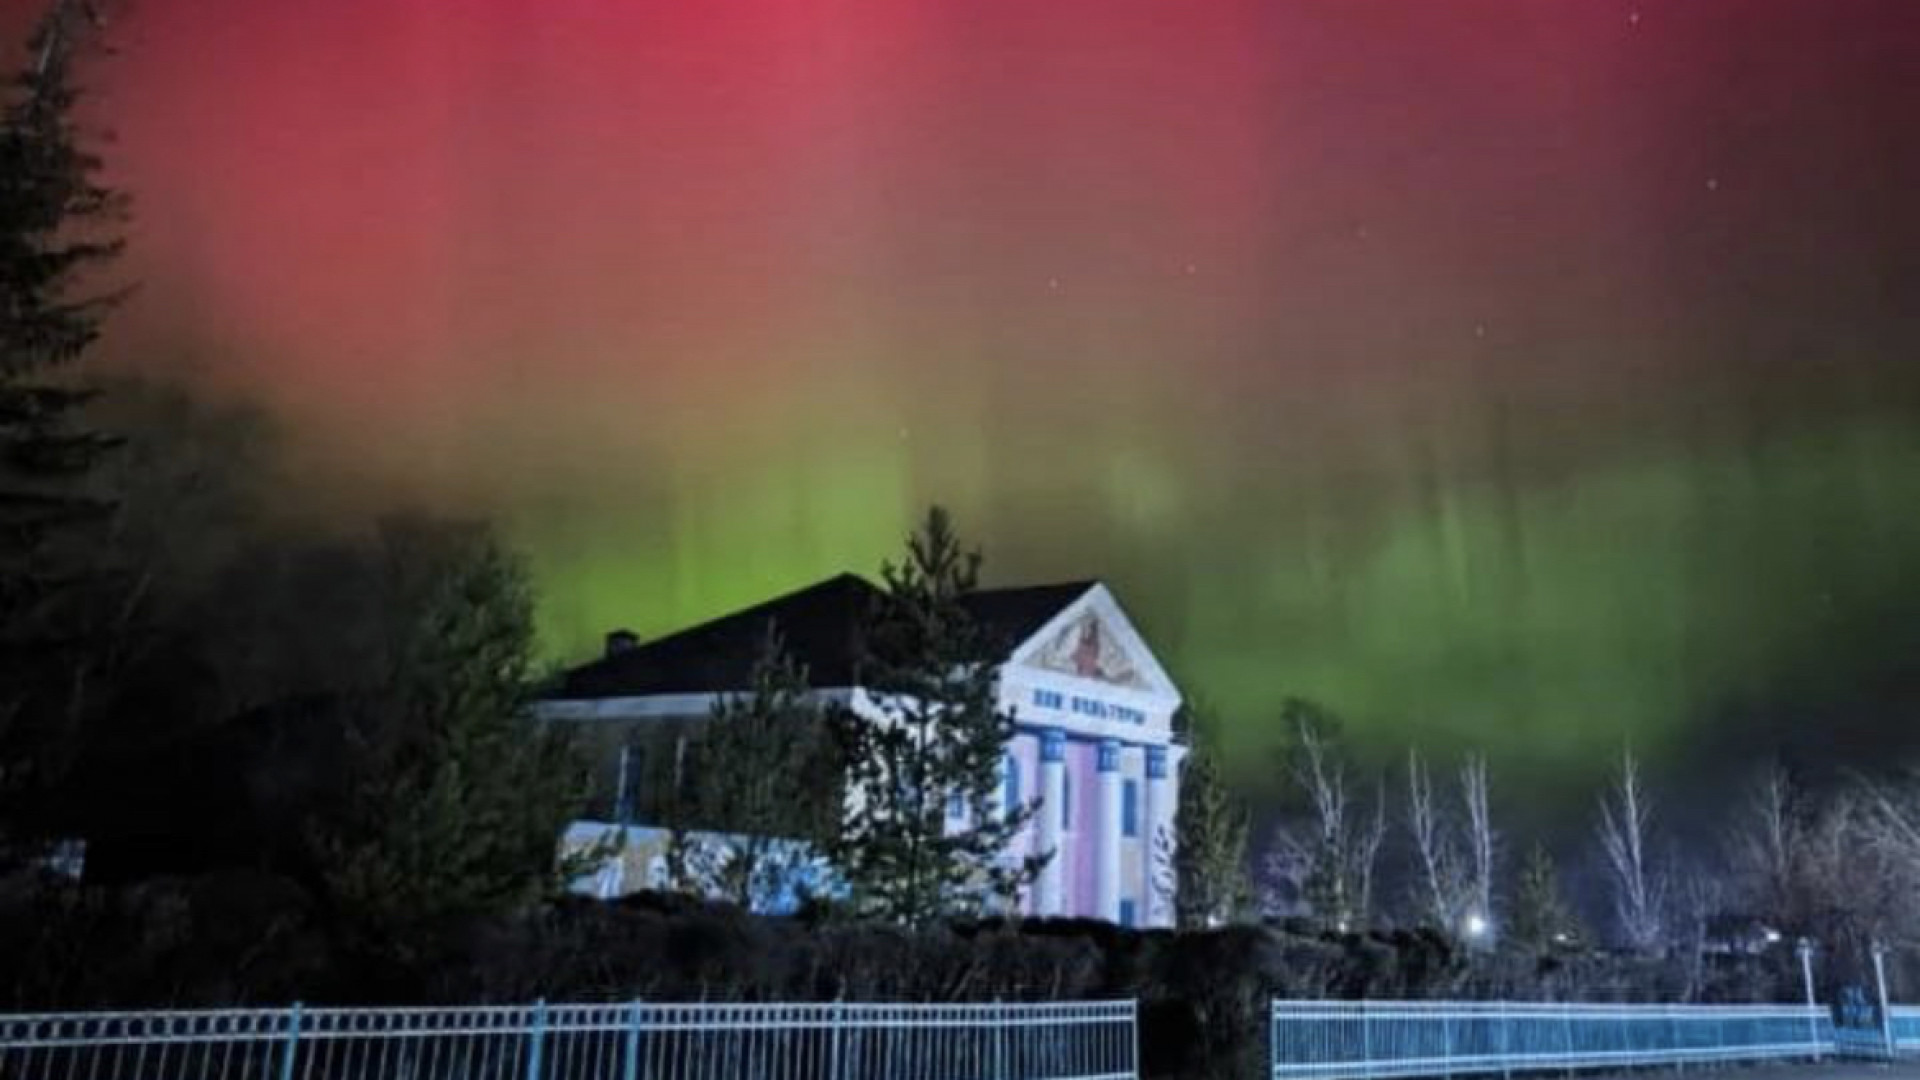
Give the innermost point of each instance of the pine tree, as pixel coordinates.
(935, 746)
(1204, 861)
(460, 795)
(1541, 919)
(56, 585)
(766, 778)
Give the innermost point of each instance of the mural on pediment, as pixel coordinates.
(1087, 648)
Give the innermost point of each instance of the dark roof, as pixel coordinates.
(821, 625)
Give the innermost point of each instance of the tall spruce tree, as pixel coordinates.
(922, 835)
(1203, 862)
(57, 591)
(766, 778)
(1541, 918)
(459, 795)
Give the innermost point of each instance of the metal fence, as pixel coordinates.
(1323, 1040)
(637, 1041)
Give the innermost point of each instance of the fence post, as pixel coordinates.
(1886, 1014)
(630, 1069)
(1506, 1042)
(536, 1039)
(1566, 1016)
(1805, 949)
(293, 1041)
(836, 1024)
(1366, 1038)
(1133, 1037)
(1673, 1039)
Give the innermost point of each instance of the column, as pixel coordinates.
(1053, 792)
(1156, 814)
(1107, 856)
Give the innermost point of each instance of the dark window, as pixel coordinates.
(1130, 808)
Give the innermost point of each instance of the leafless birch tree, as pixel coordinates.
(1626, 818)
(1328, 861)
(1454, 853)
(1439, 862)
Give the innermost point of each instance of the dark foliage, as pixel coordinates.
(248, 938)
(932, 674)
(62, 605)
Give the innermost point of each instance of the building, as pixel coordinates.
(1093, 709)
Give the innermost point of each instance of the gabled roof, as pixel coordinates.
(821, 625)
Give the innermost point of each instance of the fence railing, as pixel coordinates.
(636, 1041)
(1325, 1040)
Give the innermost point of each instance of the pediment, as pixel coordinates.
(1088, 647)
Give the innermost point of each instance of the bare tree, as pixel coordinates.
(1767, 845)
(1480, 841)
(1329, 861)
(1880, 845)
(1455, 853)
(1441, 864)
(1366, 851)
(1892, 818)
(1626, 818)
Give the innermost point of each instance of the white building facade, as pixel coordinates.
(1094, 742)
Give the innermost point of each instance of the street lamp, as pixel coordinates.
(1805, 950)
(1476, 926)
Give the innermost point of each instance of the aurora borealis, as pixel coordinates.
(1499, 372)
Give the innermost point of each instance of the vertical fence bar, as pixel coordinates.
(1366, 1039)
(1506, 1043)
(1886, 1014)
(835, 1022)
(630, 1056)
(293, 1042)
(536, 1038)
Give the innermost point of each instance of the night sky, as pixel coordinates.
(1521, 374)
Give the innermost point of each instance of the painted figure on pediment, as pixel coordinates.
(1088, 650)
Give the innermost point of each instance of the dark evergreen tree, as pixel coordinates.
(58, 599)
(767, 778)
(921, 833)
(1203, 863)
(1541, 919)
(458, 796)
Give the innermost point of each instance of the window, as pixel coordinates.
(1066, 800)
(956, 806)
(1010, 788)
(1126, 913)
(624, 787)
(1130, 808)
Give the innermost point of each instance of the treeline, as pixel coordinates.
(187, 685)
(1785, 864)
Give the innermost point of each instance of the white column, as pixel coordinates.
(1156, 817)
(1107, 855)
(1053, 792)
